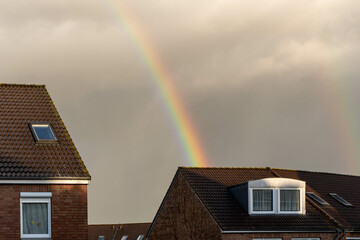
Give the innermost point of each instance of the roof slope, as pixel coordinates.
(20, 156)
(348, 187)
(211, 185)
(132, 230)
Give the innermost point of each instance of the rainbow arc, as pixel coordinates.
(182, 122)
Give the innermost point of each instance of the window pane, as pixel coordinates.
(262, 200)
(43, 132)
(289, 200)
(35, 218)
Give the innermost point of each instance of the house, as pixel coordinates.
(130, 231)
(43, 180)
(258, 204)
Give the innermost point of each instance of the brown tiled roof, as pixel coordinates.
(348, 187)
(20, 156)
(211, 185)
(132, 230)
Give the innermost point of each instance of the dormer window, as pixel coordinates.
(42, 132)
(271, 196)
(289, 200)
(262, 200)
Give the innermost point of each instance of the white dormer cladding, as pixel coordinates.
(272, 196)
(277, 183)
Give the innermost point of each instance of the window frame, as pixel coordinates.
(251, 205)
(300, 201)
(276, 202)
(32, 197)
(267, 238)
(35, 136)
(305, 238)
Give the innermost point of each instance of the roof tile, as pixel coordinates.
(20, 156)
(211, 185)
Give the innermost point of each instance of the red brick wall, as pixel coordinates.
(284, 236)
(184, 217)
(68, 210)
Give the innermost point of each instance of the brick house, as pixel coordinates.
(258, 204)
(43, 181)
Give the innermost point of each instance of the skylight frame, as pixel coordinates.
(317, 199)
(35, 135)
(341, 200)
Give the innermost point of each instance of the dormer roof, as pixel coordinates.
(21, 157)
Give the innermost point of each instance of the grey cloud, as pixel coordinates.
(267, 83)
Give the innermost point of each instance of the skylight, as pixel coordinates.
(42, 132)
(317, 198)
(340, 199)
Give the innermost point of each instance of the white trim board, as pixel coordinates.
(76, 182)
(234, 231)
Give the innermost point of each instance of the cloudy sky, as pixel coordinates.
(266, 83)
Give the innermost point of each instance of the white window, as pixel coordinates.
(289, 200)
(276, 201)
(101, 238)
(35, 214)
(276, 196)
(305, 238)
(262, 200)
(267, 238)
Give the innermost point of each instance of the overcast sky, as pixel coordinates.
(266, 83)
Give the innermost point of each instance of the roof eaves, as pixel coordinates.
(277, 231)
(45, 178)
(22, 84)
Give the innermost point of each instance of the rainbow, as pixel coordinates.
(182, 122)
(340, 110)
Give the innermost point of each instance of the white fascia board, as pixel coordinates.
(36, 182)
(234, 232)
(277, 183)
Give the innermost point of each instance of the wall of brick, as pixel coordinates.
(68, 210)
(284, 236)
(184, 217)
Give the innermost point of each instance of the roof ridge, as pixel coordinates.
(274, 172)
(22, 85)
(331, 173)
(273, 169)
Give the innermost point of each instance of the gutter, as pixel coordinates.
(45, 178)
(45, 181)
(280, 231)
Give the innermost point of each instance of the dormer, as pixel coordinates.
(273, 196)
